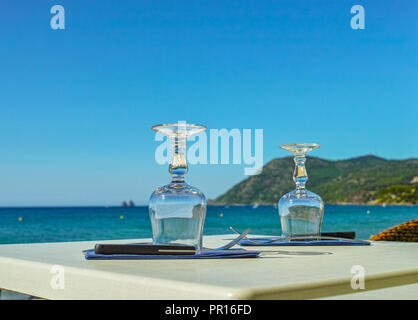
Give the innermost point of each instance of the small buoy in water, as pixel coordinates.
(20, 219)
(121, 217)
(221, 215)
(368, 211)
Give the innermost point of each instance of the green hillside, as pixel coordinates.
(359, 180)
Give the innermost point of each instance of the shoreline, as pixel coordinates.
(210, 204)
(329, 203)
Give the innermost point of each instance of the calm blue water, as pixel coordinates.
(99, 223)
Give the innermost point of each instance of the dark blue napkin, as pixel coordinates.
(324, 242)
(210, 254)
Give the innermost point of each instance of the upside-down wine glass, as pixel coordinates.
(177, 210)
(301, 211)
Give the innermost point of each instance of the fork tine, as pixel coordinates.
(235, 241)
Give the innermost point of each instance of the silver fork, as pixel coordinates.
(233, 242)
(271, 240)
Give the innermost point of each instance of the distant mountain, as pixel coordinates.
(361, 180)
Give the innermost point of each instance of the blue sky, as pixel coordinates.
(77, 105)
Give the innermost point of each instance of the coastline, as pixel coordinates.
(327, 203)
(210, 203)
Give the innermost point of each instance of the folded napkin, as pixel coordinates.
(207, 254)
(324, 242)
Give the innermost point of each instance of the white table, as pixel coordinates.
(391, 272)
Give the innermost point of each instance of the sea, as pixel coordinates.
(31, 225)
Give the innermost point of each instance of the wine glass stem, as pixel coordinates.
(300, 175)
(178, 167)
